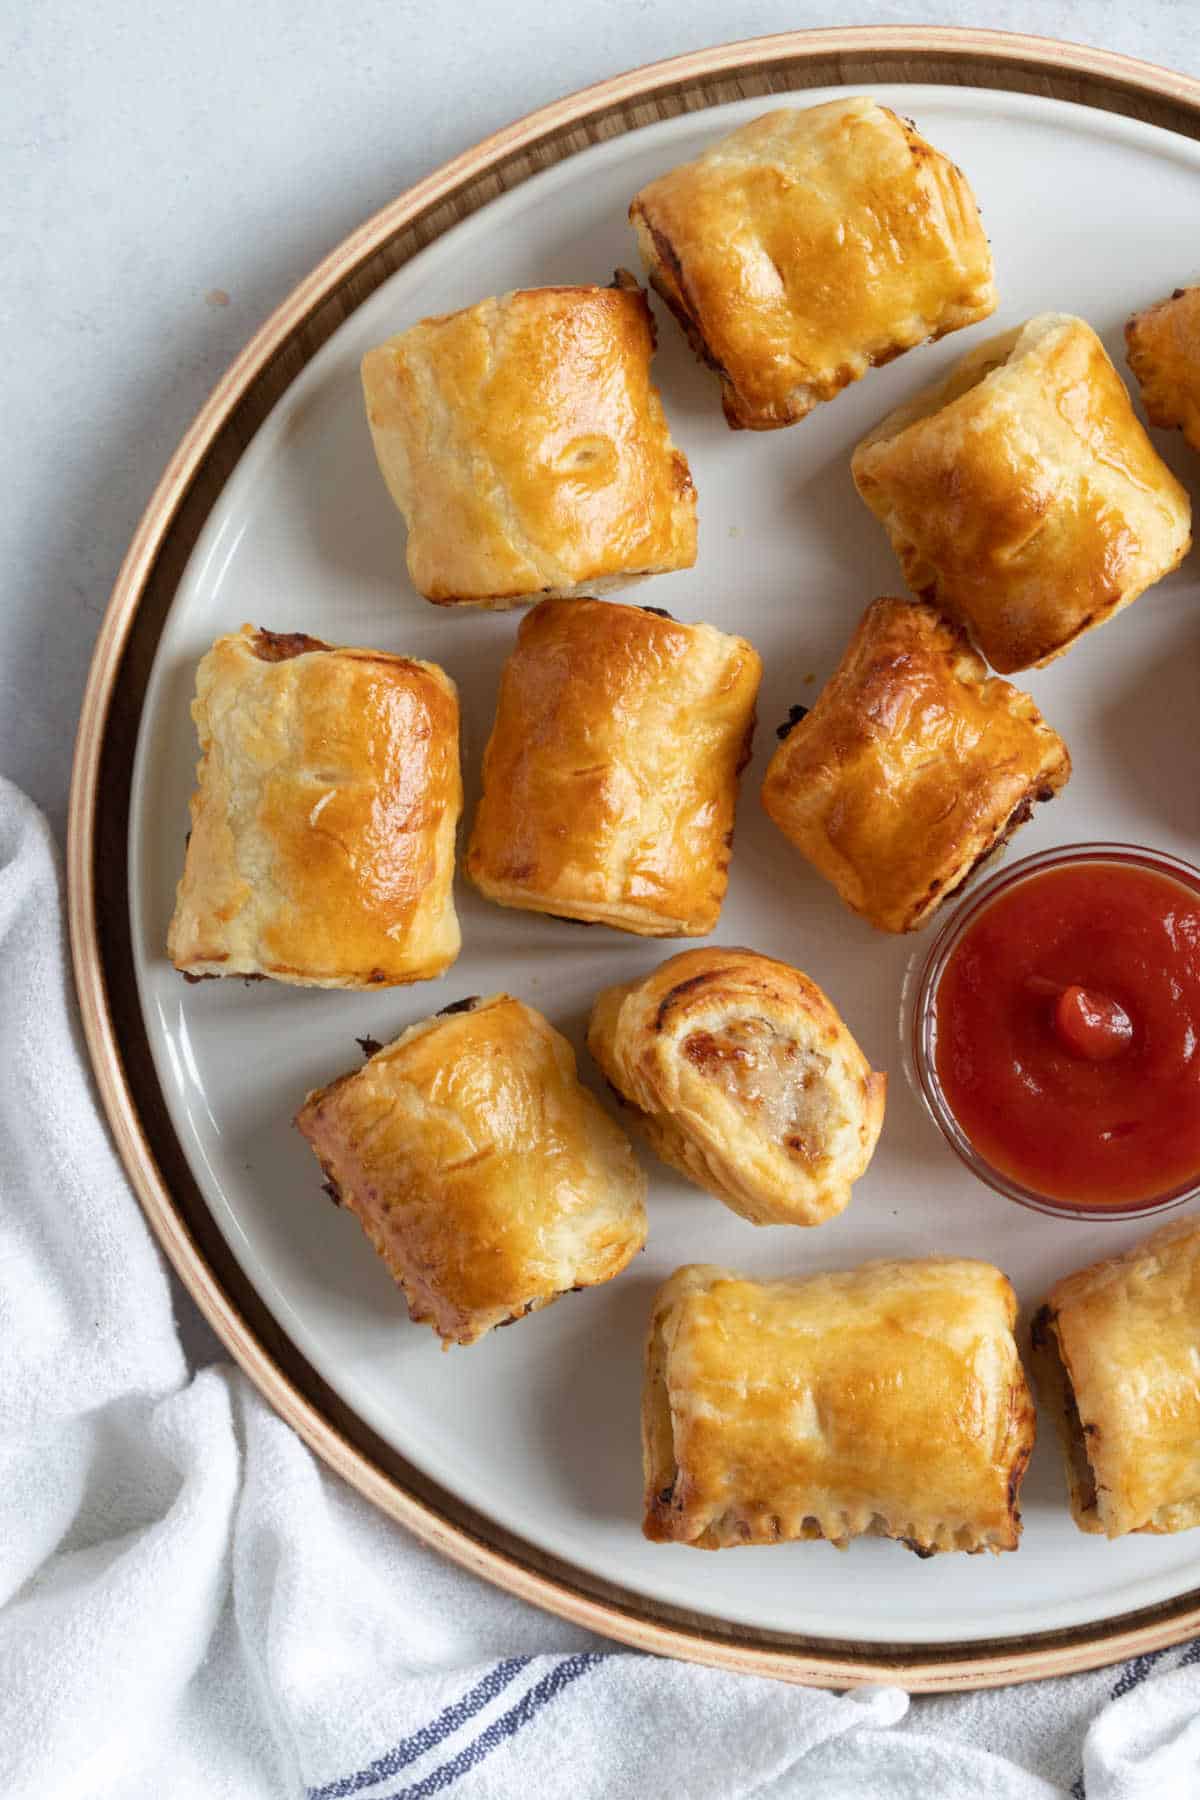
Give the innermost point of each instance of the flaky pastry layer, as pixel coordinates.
(1117, 1357)
(1022, 495)
(810, 245)
(1163, 350)
(489, 1181)
(323, 822)
(911, 768)
(526, 446)
(887, 1400)
(610, 778)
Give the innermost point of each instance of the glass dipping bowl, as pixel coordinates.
(918, 1022)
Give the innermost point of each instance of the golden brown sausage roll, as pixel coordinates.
(526, 446)
(489, 1181)
(1116, 1353)
(913, 766)
(1022, 494)
(322, 841)
(809, 245)
(611, 776)
(886, 1401)
(744, 1078)
(1163, 348)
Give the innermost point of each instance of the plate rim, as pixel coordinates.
(97, 819)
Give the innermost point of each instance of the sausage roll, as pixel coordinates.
(1116, 1353)
(611, 776)
(526, 446)
(1022, 494)
(489, 1181)
(744, 1078)
(912, 767)
(322, 842)
(809, 245)
(886, 1401)
(1163, 348)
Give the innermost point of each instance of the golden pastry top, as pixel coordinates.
(910, 765)
(1163, 347)
(322, 842)
(527, 447)
(885, 1397)
(610, 778)
(1127, 1333)
(810, 244)
(1021, 493)
(486, 1176)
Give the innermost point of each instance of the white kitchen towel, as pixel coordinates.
(194, 1607)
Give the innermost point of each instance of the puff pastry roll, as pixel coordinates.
(1163, 348)
(744, 1078)
(611, 776)
(912, 766)
(886, 1401)
(1116, 1354)
(1022, 494)
(809, 245)
(322, 841)
(526, 446)
(489, 1181)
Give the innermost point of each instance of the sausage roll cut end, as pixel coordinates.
(743, 1077)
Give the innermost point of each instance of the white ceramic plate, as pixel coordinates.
(538, 1426)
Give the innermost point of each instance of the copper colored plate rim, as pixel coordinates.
(96, 846)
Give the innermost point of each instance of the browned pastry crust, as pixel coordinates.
(887, 1400)
(1022, 495)
(611, 776)
(1116, 1353)
(489, 1181)
(328, 793)
(526, 446)
(912, 766)
(743, 1077)
(1163, 349)
(808, 246)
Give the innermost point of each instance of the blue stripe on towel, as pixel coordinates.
(409, 1748)
(506, 1726)
(1135, 1672)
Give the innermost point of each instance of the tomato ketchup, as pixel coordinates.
(1067, 1034)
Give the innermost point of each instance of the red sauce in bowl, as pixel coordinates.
(1067, 1034)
